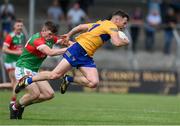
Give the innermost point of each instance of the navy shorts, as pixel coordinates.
(78, 57)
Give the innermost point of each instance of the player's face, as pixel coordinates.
(121, 22)
(18, 26)
(47, 34)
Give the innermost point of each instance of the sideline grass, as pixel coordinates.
(97, 109)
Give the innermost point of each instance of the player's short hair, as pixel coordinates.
(51, 26)
(119, 13)
(19, 20)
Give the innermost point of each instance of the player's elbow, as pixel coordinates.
(4, 49)
(50, 53)
(80, 26)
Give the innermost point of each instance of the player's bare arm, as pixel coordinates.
(51, 52)
(5, 49)
(117, 41)
(75, 30)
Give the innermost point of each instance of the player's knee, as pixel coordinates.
(94, 83)
(50, 95)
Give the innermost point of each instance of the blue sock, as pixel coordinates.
(29, 80)
(70, 79)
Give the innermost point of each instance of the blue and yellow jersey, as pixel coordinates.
(97, 34)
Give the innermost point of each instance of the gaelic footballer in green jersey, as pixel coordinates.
(12, 47)
(38, 47)
(31, 57)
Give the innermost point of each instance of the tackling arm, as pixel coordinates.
(51, 52)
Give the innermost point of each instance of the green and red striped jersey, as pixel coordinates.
(13, 42)
(31, 57)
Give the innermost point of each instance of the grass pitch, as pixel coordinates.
(97, 109)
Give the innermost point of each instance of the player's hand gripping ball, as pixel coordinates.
(122, 35)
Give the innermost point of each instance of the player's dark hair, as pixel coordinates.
(51, 26)
(119, 13)
(19, 20)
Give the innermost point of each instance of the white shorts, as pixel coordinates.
(10, 66)
(21, 72)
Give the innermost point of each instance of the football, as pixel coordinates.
(122, 35)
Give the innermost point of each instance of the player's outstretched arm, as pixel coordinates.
(75, 30)
(117, 41)
(51, 52)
